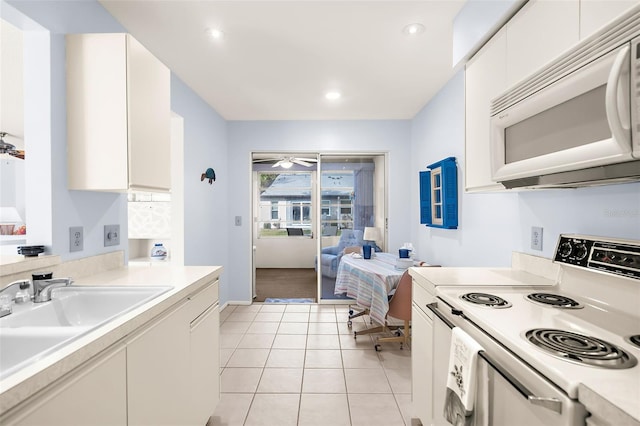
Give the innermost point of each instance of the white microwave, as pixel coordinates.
(576, 122)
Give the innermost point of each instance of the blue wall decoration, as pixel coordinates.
(439, 194)
(209, 174)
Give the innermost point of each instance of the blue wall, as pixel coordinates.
(492, 225)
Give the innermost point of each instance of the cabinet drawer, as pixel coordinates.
(200, 301)
(422, 298)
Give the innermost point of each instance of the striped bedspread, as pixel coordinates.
(369, 282)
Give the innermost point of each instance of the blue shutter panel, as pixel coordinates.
(450, 194)
(425, 198)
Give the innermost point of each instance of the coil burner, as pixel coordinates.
(487, 300)
(634, 340)
(554, 300)
(581, 349)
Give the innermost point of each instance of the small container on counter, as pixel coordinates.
(158, 252)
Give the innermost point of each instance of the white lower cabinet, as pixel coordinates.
(165, 373)
(158, 372)
(173, 365)
(93, 395)
(421, 364)
(205, 364)
(421, 356)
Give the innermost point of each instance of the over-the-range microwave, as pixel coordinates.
(577, 121)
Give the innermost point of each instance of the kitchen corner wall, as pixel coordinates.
(492, 225)
(206, 207)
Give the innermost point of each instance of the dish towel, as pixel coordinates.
(461, 379)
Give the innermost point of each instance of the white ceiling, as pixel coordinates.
(278, 58)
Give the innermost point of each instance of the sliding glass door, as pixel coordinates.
(352, 199)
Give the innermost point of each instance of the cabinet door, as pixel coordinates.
(422, 365)
(596, 13)
(96, 111)
(485, 78)
(538, 33)
(158, 372)
(205, 364)
(90, 396)
(149, 119)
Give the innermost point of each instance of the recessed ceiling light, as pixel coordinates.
(333, 95)
(215, 33)
(413, 29)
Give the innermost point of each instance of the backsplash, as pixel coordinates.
(75, 268)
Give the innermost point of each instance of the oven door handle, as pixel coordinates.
(553, 404)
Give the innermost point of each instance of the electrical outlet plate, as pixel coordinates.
(76, 238)
(536, 238)
(111, 235)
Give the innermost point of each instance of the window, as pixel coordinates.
(284, 202)
(439, 195)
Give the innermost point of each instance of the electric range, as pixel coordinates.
(582, 332)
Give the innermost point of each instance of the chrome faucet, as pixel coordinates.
(16, 292)
(42, 288)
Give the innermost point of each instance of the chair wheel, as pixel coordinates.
(350, 312)
(398, 333)
(378, 348)
(355, 334)
(401, 346)
(349, 323)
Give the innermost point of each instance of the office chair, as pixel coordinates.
(399, 308)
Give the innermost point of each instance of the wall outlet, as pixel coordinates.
(111, 235)
(76, 238)
(536, 238)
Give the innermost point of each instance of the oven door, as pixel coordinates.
(508, 392)
(580, 121)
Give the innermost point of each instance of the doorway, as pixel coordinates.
(284, 237)
(303, 204)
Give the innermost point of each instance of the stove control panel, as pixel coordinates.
(616, 257)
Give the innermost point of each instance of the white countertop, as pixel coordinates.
(184, 279)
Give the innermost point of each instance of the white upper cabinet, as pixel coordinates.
(118, 115)
(485, 77)
(538, 33)
(596, 13)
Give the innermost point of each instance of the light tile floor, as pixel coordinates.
(300, 365)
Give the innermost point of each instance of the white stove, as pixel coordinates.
(580, 335)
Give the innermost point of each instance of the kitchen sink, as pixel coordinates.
(81, 306)
(20, 347)
(34, 330)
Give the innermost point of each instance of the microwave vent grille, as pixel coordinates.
(616, 33)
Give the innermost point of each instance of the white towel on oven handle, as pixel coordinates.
(463, 367)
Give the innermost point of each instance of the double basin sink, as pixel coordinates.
(35, 330)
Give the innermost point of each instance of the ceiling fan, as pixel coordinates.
(7, 148)
(287, 162)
